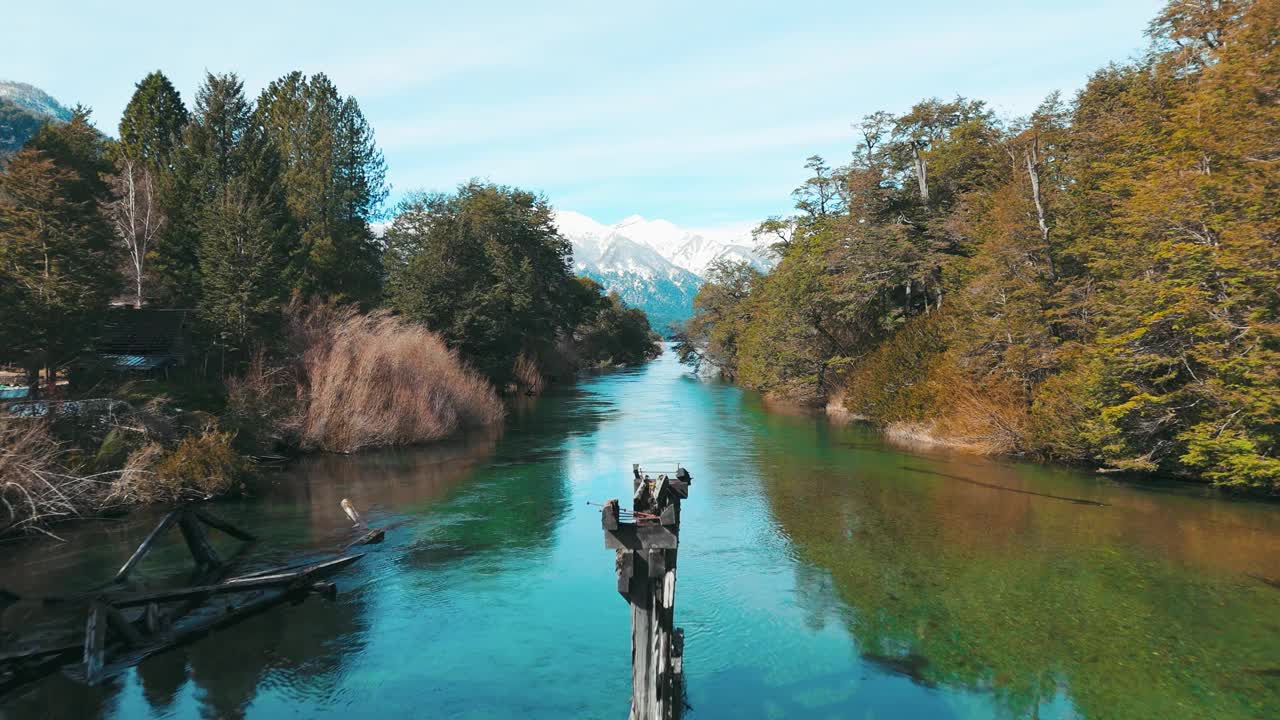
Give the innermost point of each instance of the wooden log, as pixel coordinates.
(117, 622)
(198, 542)
(325, 589)
(152, 618)
(26, 654)
(646, 572)
(235, 585)
(95, 642)
(609, 515)
(373, 537)
(145, 546)
(643, 645)
(214, 521)
(657, 563)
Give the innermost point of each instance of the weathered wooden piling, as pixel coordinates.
(646, 539)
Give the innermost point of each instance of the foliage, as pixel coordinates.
(1109, 267)
(203, 464)
(334, 178)
(487, 269)
(152, 123)
(56, 273)
(609, 332)
(35, 484)
(243, 224)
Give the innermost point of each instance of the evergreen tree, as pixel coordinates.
(55, 247)
(152, 123)
(230, 174)
(334, 177)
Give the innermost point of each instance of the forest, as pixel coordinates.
(1097, 282)
(313, 324)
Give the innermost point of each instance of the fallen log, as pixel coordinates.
(145, 546)
(373, 537)
(123, 628)
(234, 585)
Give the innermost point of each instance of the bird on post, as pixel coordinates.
(350, 510)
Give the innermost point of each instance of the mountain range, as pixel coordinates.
(23, 108)
(653, 265)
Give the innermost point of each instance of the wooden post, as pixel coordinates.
(198, 542)
(95, 642)
(646, 569)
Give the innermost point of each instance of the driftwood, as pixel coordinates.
(373, 537)
(123, 627)
(645, 540)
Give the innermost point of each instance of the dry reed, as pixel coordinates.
(35, 486)
(375, 380)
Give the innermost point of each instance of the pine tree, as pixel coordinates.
(230, 175)
(334, 178)
(152, 123)
(55, 247)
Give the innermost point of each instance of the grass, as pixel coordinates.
(372, 380)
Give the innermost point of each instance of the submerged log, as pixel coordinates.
(202, 550)
(123, 628)
(218, 523)
(255, 582)
(95, 642)
(373, 537)
(145, 546)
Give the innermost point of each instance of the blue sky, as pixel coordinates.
(701, 113)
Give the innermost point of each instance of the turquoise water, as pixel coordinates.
(823, 574)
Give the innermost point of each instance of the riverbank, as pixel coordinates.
(880, 580)
(929, 436)
(362, 382)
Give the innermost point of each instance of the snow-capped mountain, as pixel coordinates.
(23, 109)
(654, 265)
(34, 100)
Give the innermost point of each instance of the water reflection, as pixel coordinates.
(823, 574)
(1125, 605)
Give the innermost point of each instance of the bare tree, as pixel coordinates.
(136, 217)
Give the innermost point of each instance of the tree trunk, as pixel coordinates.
(1033, 172)
(33, 383)
(922, 175)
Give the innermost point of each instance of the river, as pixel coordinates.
(823, 574)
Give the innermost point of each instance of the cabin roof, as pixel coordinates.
(143, 338)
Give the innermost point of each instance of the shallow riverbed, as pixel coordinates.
(823, 574)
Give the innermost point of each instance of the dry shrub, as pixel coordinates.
(924, 393)
(201, 465)
(990, 417)
(527, 373)
(376, 380)
(35, 485)
(262, 406)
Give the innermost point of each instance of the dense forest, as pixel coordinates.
(1097, 282)
(256, 218)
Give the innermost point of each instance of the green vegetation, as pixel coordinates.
(309, 331)
(488, 269)
(1095, 282)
